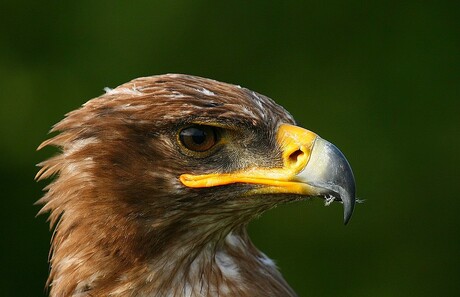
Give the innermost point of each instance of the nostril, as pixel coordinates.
(294, 156)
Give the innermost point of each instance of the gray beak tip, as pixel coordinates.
(343, 181)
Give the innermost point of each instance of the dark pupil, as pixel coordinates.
(198, 136)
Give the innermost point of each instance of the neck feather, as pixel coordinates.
(230, 266)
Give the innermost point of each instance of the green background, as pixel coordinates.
(379, 79)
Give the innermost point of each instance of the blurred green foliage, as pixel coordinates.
(379, 79)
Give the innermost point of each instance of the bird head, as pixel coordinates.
(177, 159)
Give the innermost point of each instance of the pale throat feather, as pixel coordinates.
(232, 267)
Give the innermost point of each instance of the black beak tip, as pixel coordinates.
(348, 212)
(349, 199)
(348, 196)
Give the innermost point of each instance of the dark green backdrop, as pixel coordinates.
(377, 78)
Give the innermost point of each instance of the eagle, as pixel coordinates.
(156, 181)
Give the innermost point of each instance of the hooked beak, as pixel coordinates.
(329, 172)
(313, 167)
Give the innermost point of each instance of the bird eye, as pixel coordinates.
(198, 138)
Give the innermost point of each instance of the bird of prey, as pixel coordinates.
(157, 179)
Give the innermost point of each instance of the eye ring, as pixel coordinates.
(198, 138)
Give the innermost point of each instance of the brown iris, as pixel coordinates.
(198, 138)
